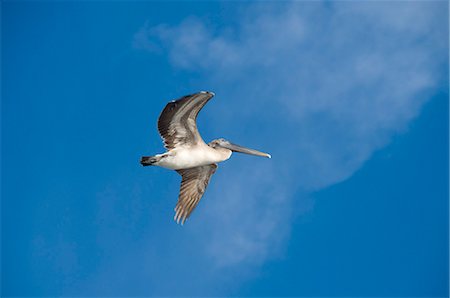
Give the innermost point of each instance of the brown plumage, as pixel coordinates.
(177, 122)
(193, 185)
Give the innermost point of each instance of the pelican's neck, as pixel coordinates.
(223, 153)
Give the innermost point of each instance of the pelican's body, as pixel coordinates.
(189, 157)
(187, 153)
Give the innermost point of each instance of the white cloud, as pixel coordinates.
(249, 208)
(327, 84)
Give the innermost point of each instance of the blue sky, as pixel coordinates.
(351, 100)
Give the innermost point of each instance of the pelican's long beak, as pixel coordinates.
(237, 148)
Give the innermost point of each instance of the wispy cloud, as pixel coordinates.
(322, 85)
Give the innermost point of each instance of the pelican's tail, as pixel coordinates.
(148, 160)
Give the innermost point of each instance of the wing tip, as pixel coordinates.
(208, 92)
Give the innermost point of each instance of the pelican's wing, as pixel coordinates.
(193, 185)
(177, 122)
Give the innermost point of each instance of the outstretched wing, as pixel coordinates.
(177, 122)
(193, 185)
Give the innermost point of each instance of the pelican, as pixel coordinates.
(187, 153)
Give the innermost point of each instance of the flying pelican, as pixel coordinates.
(187, 153)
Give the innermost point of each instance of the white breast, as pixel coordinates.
(185, 157)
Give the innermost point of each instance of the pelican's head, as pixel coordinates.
(222, 143)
